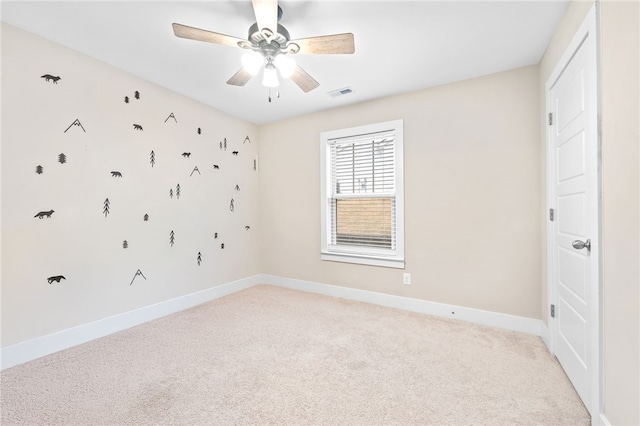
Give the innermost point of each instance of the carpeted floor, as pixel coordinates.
(269, 355)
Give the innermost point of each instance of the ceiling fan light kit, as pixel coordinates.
(270, 49)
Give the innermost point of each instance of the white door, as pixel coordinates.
(573, 230)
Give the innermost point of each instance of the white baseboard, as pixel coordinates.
(51, 343)
(545, 334)
(603, 420)
(493, 319)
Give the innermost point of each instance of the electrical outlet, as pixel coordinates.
(406, 279)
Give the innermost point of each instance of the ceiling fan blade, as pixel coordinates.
(266, 12)
(335, 43)
(304, 80)
(191, 33)
(240, 78)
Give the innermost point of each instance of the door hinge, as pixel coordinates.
(553, 311)
(551, 215)
(550, 119)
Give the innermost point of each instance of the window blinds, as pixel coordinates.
(362, 198)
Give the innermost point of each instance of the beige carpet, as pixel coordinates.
(268, 355)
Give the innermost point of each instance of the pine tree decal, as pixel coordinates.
(178, 191)
(105, 209)
(62, 158)
(125, 244)
(231, 206)
(199, 131)
(126, 99)
(146, 217)
(39, 170)
(172, 238)
(136, 95)
(199, 258)
(153, 158)
(171, 193)
(225, 144)
(246, 139)
(237, 188)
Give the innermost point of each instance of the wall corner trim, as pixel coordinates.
(492, 319)
(46, 345)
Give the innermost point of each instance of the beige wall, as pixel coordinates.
(78, 241)
(620, 75)
(620, 115)
(472, 185)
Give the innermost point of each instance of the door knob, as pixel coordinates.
(579, 245)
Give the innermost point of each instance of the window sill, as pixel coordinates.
(363, 260)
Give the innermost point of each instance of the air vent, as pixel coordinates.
(341, 92)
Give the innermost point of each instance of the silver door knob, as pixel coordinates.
(579, 245)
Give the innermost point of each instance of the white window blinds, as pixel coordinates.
(362, 198)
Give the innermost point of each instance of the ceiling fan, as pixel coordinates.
(269, 44)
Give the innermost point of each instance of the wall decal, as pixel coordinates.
(215, 235)
(105, 209)
(116, 174)
(186, 154)
(55, 278)
(137, 127)
(48, 214)
(246, 228)
(172, 238)
(255, 165)
(171, 116)
(195, 169)
(39, 170)
(199, 258)
(178, 191)
(137, 274)
(237, 188)
(49, 77)
(171, 193)
(62, 158)
(126, 99)
(231, 206)
(146, 217)
(76, 122)
(199, 131)
(235, 152)
(136, 95)
(223, 144)
(246, 139)
(216, 167)
(222, 246)
(153, 158)
(125, 244)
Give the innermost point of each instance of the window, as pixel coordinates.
(362, 195)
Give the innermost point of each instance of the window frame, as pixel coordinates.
(363, 255)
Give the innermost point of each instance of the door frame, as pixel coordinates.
(587, 33)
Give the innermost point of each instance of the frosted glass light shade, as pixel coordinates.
(285, 65)
(252, 62)
(270, 77)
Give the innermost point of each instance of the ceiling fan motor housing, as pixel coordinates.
(269, 44)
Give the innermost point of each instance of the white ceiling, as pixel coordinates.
(400, 46)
